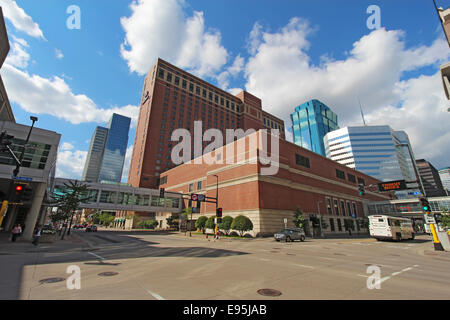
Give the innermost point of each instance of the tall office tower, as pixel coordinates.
(94, 157)
(106, 154)
(444, 174)
(115, 148)
(430, 179)
(172, 99)
(311, 121)
(377, 151)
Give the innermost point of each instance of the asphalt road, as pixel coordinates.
(147, 265)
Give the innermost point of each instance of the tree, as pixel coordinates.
(69, 201)
(200, 223)
(299, 220)
(209, 224)
(445, 219)
(242, 223)
(226, 223)
(185, 215)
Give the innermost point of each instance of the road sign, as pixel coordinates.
(194, 197)
(285, 220)
(392, 185)
(201, 197)
(429, 219)
(415, 193)
(22, 178)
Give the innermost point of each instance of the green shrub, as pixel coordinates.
(226, 224)
(200, 223)
(242, 223)
(150, 224)
(210, 223)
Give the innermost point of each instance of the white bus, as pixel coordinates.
(386, 227)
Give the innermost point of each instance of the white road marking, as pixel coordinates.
(302, 265)
(395, 274)
(262, 259)
(327, 258)
(155, 295)
(363, 275)
(96, 255)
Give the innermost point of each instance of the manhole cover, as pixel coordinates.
(274, 251)
(51, 280)
(269, 292)
(108, 274)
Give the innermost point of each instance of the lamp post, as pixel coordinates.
(320, 217)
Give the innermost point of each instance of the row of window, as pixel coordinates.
(350, 177)
(344, 210)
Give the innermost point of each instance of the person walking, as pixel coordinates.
(37, 236)
(15, 232)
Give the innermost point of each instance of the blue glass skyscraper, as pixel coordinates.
(115, 148)
(311, 121)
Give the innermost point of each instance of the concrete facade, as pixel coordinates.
(304, 180)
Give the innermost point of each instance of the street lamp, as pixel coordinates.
(320, 217)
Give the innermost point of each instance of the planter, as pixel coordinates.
(47, 238)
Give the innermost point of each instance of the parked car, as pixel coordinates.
(94, 228)
(88, 228)
(290, 235)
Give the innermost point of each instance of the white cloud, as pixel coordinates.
(18, 57)
(127, 162)
(281, 73)
(59, 54)
(223, 79)
(159, 28)
(53, 96)
(70, 163)
(66, 146)
(21, 21)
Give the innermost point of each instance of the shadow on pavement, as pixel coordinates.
(116, 243)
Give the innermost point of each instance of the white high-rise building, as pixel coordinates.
(444, 174)
(378, 151)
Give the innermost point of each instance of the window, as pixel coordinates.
(351, 178)
(340, 174)
(354, 208)
(191, 187)
(329, 210)
(332, 224)
(336, 207)
(349, 209)
(343, 207)
(361, 181)
(169, 77)
(163, 180)
(199, 185)
(339, 224)
(161, 74)
(184, 84)
(302, 161)
(177, 81)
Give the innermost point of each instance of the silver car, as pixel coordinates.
(290, 235)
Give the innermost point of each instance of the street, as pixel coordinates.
(164, 266)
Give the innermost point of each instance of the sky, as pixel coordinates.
(74, 68)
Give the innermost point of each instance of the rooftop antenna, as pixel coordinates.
(362, 114)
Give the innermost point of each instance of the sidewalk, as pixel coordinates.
(7, 247)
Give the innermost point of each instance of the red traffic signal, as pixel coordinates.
(219, 213)
(19, 188)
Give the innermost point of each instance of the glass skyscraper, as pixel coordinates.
(311, 121)
(377, 151)
(115, 149)
(106, 154)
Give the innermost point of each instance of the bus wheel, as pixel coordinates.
(412, 236)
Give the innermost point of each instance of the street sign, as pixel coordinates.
(201, 197)
(429, 219)
(392, 185)
(285, 220)
(22, 178)
(194, 197)
(415, 193)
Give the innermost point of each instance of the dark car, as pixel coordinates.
(290, 235)
(94, 228)
(88, 228)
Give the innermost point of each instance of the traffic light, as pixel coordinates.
(425, 205)
(161, 192)
(361, 190)
(219, 212)
(27, 193)
(5, 140)
(19, 189)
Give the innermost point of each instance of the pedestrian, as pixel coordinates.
(37, 236)
(216, 233)
(15, 232)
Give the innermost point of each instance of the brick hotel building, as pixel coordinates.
(172, 99)
(320, 186)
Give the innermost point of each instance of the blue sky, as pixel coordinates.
(311, 42)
